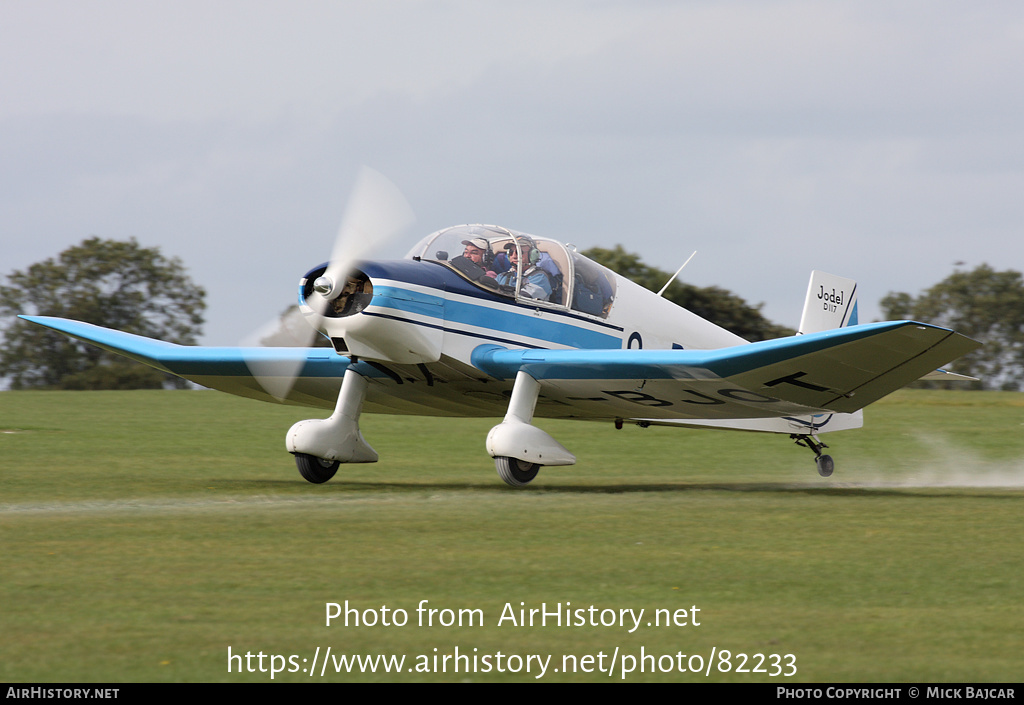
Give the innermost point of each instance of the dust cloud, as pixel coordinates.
(933, 461)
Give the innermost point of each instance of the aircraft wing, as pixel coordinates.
(257, 373)
(841, 370)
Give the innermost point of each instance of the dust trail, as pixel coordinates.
(935, 462)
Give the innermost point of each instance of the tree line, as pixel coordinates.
(128, 287)
(983, 304)
(115, 284)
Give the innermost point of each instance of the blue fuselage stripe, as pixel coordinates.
(511, 323)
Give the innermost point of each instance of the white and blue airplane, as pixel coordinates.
(469, 335)
(479, 320)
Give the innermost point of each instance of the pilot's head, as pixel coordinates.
(475, 250)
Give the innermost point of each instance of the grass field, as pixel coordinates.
(142, 534)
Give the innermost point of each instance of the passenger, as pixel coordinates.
(536, 283)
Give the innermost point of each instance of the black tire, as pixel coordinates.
(825, 465)
(314, 469)
(517, 473)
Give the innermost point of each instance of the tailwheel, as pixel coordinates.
(515, 472)
(314, 469)
(825, 464)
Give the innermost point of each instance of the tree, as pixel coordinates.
(110, 283)
(982, 304)
(715, 304)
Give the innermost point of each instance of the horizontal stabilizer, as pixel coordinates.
(820, 423)
(947, 376)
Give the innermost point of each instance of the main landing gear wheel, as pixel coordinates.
(314, 469)
(825, 465)
(515, 472)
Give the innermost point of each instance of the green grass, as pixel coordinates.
(143, 533)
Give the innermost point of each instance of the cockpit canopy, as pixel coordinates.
(534, 270)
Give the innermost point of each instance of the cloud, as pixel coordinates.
(880, 141)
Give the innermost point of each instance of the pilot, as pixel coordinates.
(473, 260)
(476, 251)
(536, 283)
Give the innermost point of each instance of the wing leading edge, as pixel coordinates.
(247, 372)
(840, 370)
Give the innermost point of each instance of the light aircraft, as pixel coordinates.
(480, 320)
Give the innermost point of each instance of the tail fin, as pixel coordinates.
(831, 303)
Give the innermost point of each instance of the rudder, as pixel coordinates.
(831, 303)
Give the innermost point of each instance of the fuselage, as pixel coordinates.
(415, 323)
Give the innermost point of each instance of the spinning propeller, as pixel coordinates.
(376, 213)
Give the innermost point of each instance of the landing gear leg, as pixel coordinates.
(319, 445)
(824, 462)
(518, 447)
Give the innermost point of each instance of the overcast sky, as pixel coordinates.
(878, 140)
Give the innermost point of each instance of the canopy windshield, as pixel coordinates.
(530, 269)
